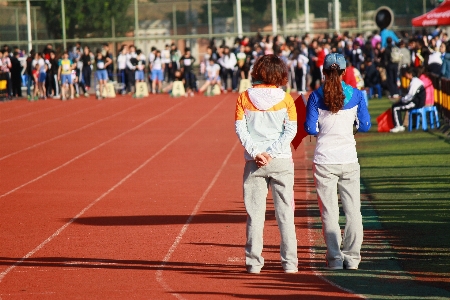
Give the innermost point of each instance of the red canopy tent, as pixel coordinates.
(438, 16)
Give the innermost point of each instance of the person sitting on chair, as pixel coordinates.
(212, 75)
(414, 99)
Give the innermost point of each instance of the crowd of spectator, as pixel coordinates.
(375, 62)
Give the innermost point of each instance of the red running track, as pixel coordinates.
(142, 199)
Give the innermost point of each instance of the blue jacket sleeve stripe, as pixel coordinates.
(312, 115)
(363, 115)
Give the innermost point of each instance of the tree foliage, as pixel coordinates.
(87, 18)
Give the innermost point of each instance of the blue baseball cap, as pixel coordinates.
(334, 58)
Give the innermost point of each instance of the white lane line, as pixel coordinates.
(29, 114)
(91, 150)
(312, 254)
(72, 131)
(57, 232)
(53, 120)
(183, 230)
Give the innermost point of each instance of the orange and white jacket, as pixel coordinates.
(266, 121)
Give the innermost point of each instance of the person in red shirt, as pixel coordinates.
(349, 75)
(319, 60)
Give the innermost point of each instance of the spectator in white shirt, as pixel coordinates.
(212, 75)
(122, 68)
(165, 56)
(228, 62)
(131, 67)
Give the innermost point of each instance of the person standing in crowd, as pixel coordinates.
(131, 67)
(332, 111)
(102, 62)
(53, 88)
(151, 58)
(312, 56)
(6, 68)
(16, 76)
(349, 76)
(29, 73)
(43, 67)
(405, 62)
(157, 69)
(122, 68)
(434, 63)
(387, 34)
(356, 56)
(301, 72)
(175, 57)
(140, 69)
(372, 79)
(445, 70)
(318, 62)
(86, 71)
(266, 123)
(165, 56)
(241, 58)
(110, 67)
(48, 80)
(442, 50)
(391, 70)
(228, 62)
(415, 98)
(65, 76)
(187, 62)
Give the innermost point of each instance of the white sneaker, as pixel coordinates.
(291, 271)
(397, 129)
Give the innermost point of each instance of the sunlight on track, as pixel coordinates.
(40, 246)
(70, 132)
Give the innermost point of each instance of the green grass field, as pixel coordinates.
(406, 209)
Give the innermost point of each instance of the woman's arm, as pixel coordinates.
(312, 115)
(242, 130)
(290, 130)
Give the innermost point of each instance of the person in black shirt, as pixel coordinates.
(110, 67)
(391, 71)
(372, 79)
(16, 75)
(52, 74)
(29, 73)
(86, 70)
(101, 74)
(187, 62)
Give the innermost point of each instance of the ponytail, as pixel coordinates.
(332, 90)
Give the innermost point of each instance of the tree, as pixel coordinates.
(87, 18)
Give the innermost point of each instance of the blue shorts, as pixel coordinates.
(101, 75)
(157, 75)
(66, 79)
(139, 75)
(42, 77)
(211, 79)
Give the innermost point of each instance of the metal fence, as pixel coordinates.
(62, 23)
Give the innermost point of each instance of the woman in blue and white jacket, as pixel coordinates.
(332, 111)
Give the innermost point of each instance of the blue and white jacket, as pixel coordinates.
(335, 139)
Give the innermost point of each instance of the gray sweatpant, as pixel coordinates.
(279, 174)
(345, 179)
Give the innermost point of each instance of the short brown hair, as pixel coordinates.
(270, 69)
